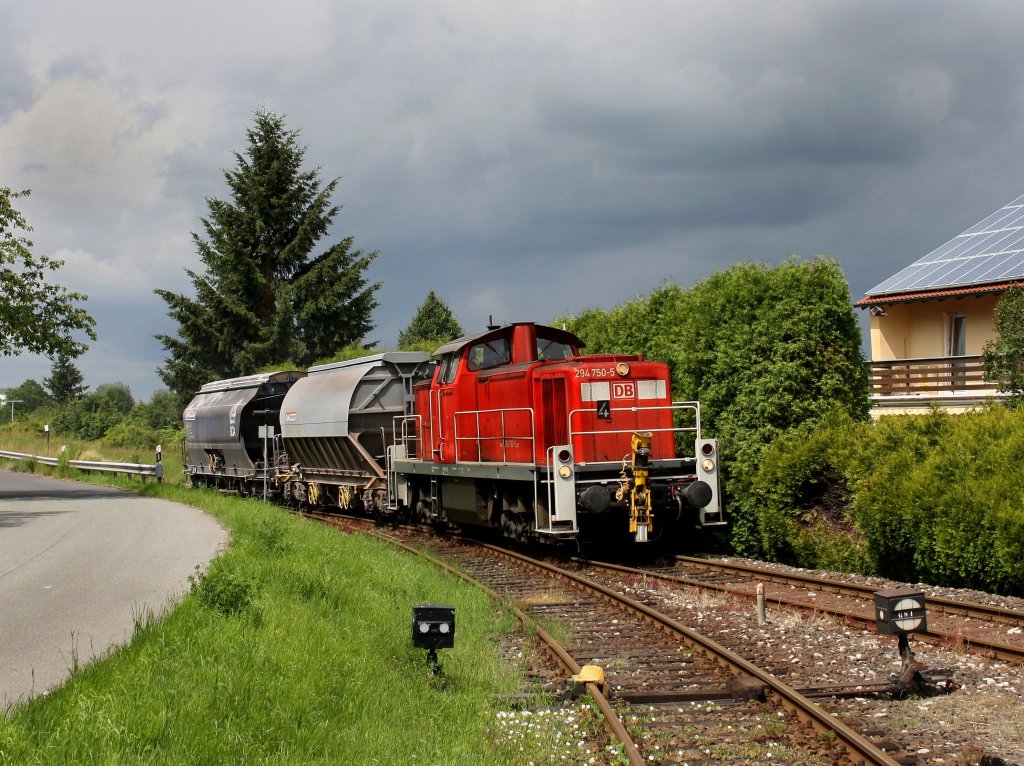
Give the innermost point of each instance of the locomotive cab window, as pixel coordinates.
(549, 350)
(449, 364)
(484, 356)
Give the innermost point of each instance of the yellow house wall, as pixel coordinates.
(917, 329)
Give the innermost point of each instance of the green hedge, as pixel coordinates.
(935, 498)
(764, 349)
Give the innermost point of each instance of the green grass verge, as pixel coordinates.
(292, 647)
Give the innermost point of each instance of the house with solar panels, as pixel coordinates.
(930, 322)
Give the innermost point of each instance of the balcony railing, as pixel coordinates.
(941, 376)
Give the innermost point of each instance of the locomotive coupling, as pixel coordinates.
(634, 483)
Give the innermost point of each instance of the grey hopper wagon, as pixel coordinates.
(339, 421)
(222, 428)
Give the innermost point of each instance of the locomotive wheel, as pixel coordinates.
(423, 511)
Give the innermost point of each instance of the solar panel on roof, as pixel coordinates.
(990, 251)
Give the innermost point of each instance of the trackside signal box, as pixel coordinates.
(433, 626)
(900, 611)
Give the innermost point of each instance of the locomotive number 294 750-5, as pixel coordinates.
(595, 372)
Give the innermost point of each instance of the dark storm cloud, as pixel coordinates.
(525, 160)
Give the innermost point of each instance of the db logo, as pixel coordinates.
(625, 390)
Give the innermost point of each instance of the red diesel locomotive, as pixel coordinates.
(510, 429)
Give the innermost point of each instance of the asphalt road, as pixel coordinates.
(77, 564)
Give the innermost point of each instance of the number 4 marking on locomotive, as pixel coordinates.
(604, 409)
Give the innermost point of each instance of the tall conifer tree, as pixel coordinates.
(263, 299)
(66, 382)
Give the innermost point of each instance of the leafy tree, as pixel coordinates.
(163, 410)
(771, 348)
(263, 298)
(35, 315)
(65, 382)
(1004, 357)
(433, 322)
(30, 395)
(93, 415)
(114, 396)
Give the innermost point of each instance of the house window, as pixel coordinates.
(956, 335)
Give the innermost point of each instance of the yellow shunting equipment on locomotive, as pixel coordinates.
(634, 484)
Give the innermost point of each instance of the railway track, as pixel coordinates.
(994, 631)
(667, 723)
(845, 667)
(669, 694)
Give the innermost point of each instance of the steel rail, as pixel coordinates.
(932, 635)
(611, 718)
(858, 748)
(950, 606)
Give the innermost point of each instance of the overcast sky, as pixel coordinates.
(522, 159)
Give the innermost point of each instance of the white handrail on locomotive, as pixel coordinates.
(438, 420)
(503, 436)
(407, 445)
(675, 406)
(402, 436)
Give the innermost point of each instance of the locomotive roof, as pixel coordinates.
(545, 330)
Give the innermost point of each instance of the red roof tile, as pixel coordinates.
(924, 295)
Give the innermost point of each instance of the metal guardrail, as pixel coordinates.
(134, 469)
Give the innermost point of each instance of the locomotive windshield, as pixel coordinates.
(488, 354)
(550, 350)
